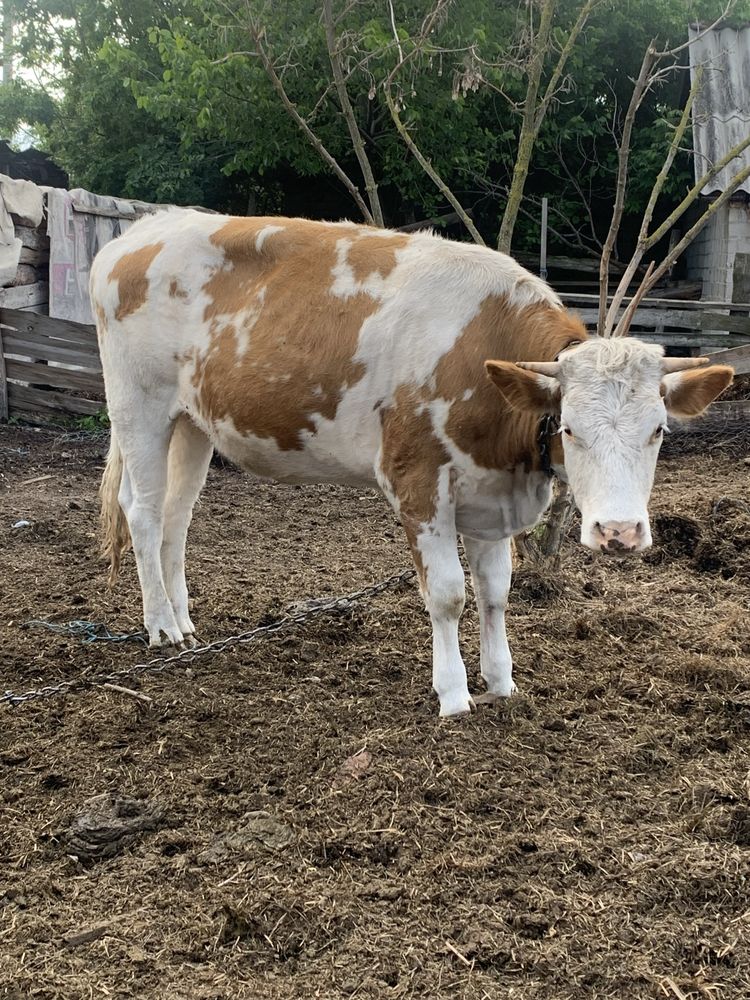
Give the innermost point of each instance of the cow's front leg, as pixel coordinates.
(434, 547)
(491, 568)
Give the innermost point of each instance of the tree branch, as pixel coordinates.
(528, 128)
(676, 251)
(430, 170)
(402, 130)
(623, 157)
(315, 142)
(371, 186)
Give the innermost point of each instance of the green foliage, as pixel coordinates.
(95, 422)
(21, 103)
(167, 100)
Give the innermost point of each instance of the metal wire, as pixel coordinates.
(89, 631)
(297, 615)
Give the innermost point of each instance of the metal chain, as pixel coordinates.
(297, 614)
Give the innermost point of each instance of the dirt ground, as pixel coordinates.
(292, 820)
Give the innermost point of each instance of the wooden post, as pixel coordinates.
(543, 248)
(741, 278)
(3, 382)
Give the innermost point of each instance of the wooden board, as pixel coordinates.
(741, 277)
(21, 345)
(28, 400)
(738, 357)
(4, 413)
(592, 301)
(60, 378)
(689, 321)
(42, 327)
(25, 296)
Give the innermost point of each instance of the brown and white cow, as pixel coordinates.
(312, 351)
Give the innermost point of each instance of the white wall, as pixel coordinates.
(710, 258)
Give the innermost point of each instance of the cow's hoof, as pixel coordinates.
(452, 707)
(165, 636)
(494, 697)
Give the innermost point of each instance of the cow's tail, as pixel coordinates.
(115, 536)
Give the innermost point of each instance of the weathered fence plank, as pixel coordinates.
(4, 412)
(50, 365)
(698, 305)
(28, 400)
(46, 326)
(36, 350)
(738, 357)
(60, 378)
(23, 296)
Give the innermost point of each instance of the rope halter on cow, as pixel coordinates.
(549, 425)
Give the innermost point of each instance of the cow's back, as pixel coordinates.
(286, 339)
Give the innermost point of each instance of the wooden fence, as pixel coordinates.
(52, 365)
(48, 366)
(699, 326)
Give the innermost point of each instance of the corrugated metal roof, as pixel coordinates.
(721, 112)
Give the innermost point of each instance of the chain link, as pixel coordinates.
(293, 616)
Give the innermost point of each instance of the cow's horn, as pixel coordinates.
(680, 364)
(551, 368)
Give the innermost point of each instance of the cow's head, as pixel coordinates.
(612, 397)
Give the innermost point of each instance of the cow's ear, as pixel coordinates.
(687, 394)
(526, 391)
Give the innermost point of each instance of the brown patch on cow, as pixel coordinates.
(301, 338)
(524, 391)
(696, 390)
(130, 274)
(412, 456)
(485, 426)
(375, 255)
(176, 291)
(101, 320)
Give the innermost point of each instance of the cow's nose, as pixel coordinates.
(619, 536)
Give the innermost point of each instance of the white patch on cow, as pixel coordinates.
(491, 504)
(245, 320)
(345, 285)
(263, 235)
(468, 393)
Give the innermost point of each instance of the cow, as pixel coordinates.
(444, 373)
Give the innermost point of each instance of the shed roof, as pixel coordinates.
(721, 112)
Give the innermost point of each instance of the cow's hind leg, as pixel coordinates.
(189, 457)
(144, 438)
(491, 567)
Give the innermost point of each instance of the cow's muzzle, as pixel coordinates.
(619, 536)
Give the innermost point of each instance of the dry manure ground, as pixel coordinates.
(290, 819)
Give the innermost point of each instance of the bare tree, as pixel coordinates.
(418, 45)
(371, 186)
(654, 71)
(535, 108)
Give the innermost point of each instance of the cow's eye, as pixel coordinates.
(657, 435)
(567, 432)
